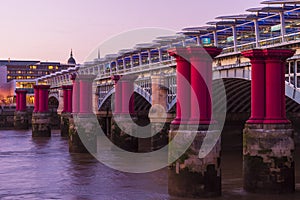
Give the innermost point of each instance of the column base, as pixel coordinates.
(268, 121)
(268, 162)
(41, 124)
(119, 135)
(203, 122)
(82, 133)
(65, 124)
(21, 120)
(178, 121)
(194, 177)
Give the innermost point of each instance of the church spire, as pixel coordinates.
(98, 53)
(71, 54)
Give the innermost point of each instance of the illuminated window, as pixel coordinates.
(50, 67)
(19, 72)
(33, 67)
(56, 67)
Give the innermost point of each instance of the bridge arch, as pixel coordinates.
(53, 102)
(238, 96)
(143, 100)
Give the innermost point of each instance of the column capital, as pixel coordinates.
(130, 77)
(115, 78)
(203, 52)
(180, 53)
(278, 54)
(67, 87)
(254, 54)
(21, 91)
(86, 77)
(42, 87)
(73, 76)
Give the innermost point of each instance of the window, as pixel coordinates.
(50, 67)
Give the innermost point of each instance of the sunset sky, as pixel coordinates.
(47, 29)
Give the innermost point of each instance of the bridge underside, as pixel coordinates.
(238, 106)
(141, 105)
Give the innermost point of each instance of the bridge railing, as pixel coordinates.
(269, 42)
(137, 69)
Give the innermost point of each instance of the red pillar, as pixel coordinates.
(118, 94)
(75, 94)
(183, 85)
(43, 98)
(258, 90)
(67, 93)
(36, 98)
(22, 100)
(201, 83)
(17, 100)
(86, 94)
(65, 100)
(127, 94)
(268, 85)
(275, 84)
(70, 92)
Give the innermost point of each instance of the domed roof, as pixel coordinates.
(71, 60)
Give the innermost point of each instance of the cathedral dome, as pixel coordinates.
(71, 60)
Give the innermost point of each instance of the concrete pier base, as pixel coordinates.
(41, 124)
(21, 120)
(119, 133)
(65, 124)
(161, 138)
(269, 158)
(194, 177)
(82, 133)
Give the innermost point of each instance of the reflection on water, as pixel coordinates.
(42, 168)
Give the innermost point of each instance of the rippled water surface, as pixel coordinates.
(42, 168)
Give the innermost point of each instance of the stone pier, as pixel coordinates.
(159, 118)
(82, 130)
(268, 147)
(124, 114)
(191, 176)
(21, 114)
(41, 120)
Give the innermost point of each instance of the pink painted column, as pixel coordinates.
(183, 85)
(65, 100)
(118, 94)
(86, 94)
(43, 98)
(201, 83)
(75, 94)
(275, 85)
(67, 92)
(22, 100)
(36, 98)
(70, 92)
(127, 94)
(258, 90)
(17, 100)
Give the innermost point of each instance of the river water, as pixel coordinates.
(42, 168)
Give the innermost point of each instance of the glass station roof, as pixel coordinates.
(267, 17)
